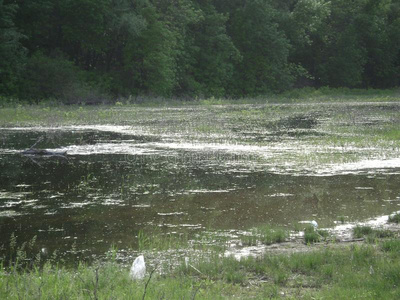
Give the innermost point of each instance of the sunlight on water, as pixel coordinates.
(192, 169)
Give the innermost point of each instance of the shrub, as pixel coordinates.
(56, 77)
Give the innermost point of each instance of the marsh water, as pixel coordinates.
(193, 169)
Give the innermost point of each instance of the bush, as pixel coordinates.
(56, 77)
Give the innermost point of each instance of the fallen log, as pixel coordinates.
(32, 151)
(43, 152)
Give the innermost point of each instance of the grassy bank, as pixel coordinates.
(327, 271)
(362, 270)
(369, 271)
(130, 111)
(308, 94)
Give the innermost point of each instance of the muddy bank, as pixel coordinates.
(339, 236)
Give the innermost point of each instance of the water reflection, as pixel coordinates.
(119, 180)
(98, 200)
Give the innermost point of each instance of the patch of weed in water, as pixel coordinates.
(394, 218)
(323, 233)
(311, 235)
(265, 235)
(392, 134)
(158, 241)
(298, 121)
(371, 234)
(361, 231)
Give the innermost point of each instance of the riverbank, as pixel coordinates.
(367, 269)
(211, 171)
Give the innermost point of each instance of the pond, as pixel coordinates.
(194, 169)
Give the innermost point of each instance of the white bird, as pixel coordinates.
(314, 224)
(138, 269)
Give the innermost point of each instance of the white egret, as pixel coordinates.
(138, 269)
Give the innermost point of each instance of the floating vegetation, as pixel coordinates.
(196, 169)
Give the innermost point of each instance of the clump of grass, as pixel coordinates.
(265, 235)
(381, 233)
(362, 231)
(394, 218)
(392, 246)
(311, 235)
(158, 241)
(370, 233)
(360, 272)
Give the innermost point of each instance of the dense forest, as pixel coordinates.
(83, 50)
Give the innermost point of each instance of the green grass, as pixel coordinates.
(371, 234)
(394, 218)
(352, 272)
(392, 245)
(308, 94)
(311, 235)
(265, 235)
(156, 240)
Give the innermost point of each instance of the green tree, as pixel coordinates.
(326, 41)
(379, 30)
(150, 58)
(254, 28)
(213, 52)
(12, 54)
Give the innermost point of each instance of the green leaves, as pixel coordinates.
(12, 54)
(264, 47)
(200, 48)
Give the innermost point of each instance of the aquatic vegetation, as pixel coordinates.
(265, 235)
(186, 168)
(370, 233)
(361, 231)
(394, 218)
(311, 235)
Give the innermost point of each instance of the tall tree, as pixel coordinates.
(12, 54)
(213, 51)
(150, 59)
(254, 28)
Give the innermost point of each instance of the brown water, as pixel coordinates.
(118, 180)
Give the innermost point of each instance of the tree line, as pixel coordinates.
(76, 50)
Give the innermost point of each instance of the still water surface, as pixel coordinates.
(117, 180)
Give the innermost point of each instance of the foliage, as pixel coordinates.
(12, 53)
(194, 48)
(265, 48)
